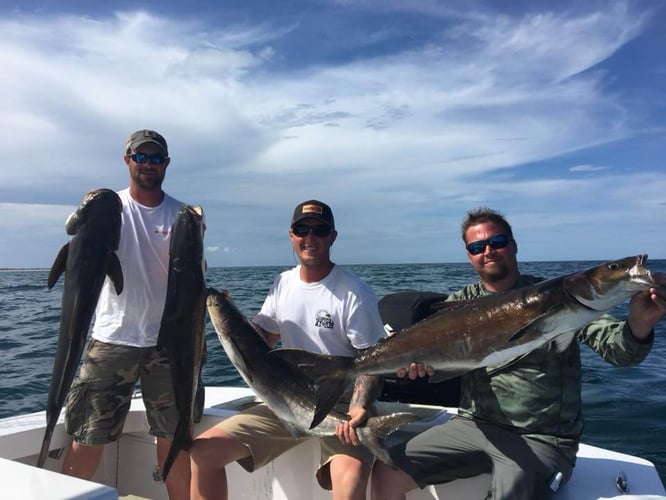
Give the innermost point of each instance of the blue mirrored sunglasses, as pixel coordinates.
(302, 230)
(154, 159)
(495, 242)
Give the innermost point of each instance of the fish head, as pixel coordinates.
(220, 309)
(228, 320)
(608, 285)
(191, 216)
(98, 205)
(201, 229)
(187, 238)
(197, 214)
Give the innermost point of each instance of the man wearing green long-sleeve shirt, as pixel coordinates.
(521, 421)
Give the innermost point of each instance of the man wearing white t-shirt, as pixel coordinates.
(122, 348)
(320, 307)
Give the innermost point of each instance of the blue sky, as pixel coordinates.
(401, 114)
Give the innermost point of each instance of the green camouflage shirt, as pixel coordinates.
(539, 394)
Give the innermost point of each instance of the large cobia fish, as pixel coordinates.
(86, 260)
(284, 390)
(487, 331)
(182, 330)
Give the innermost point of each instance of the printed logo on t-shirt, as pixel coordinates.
(163, 230)
(323, 320)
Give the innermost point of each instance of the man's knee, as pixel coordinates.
(387, 482)
(520, 484)
(349, 477)
(207, 452)
(216, 450)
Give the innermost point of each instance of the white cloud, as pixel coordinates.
(417, 134)
(587, 168)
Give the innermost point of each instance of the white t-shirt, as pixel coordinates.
(334, 316)
(133, 317)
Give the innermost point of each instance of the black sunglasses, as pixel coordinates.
(301, 230)
(495, 242)
(155, 159)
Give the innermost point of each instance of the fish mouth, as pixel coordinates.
(642, 275)
(641, 260)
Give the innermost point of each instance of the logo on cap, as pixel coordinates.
(312, 209)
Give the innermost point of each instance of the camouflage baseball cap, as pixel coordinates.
(143, 136)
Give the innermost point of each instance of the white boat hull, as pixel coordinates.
(127, 466)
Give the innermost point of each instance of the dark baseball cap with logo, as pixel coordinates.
(313, 209)
(142, 137)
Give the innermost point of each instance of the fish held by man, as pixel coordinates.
(488, 331)
(182, 329)
(86, 260)
(284, 390)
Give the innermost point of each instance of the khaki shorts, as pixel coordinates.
(266, 438)
(99, 400)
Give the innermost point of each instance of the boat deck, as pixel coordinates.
(127, 466)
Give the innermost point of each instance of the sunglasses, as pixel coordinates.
(495, 242)
(301, 230)
(155, 159)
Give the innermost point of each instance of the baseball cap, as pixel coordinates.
(313, 209)
(143, 136)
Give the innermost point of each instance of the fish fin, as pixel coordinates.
(529, 327)
(59, 266)
(443, 305)
(444, 375)
(115, 272)
(327, 393)
(199, 400)
(182, 441)
(519, 334)
(376, 429)
(46, 442)
(331, 375)
(563, 342)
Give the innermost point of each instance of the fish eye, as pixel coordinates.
(613, 267)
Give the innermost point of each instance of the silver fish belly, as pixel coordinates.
(487, 331)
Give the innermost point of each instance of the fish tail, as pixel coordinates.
(170, 459)
(46, 443)
(182, 441)
(376, 429)
(331, 375)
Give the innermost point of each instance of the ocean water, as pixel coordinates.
(624, 408)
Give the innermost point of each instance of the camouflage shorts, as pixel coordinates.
(99, 400)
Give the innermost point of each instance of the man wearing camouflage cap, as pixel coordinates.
(123, 342)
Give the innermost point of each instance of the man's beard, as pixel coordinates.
(499, 272)
(148, 183)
